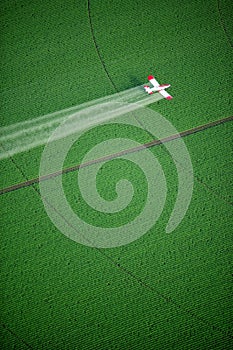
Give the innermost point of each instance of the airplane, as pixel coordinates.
(157, 88)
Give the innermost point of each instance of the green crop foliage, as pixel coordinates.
(162, 291)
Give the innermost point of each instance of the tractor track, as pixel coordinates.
(153, 143)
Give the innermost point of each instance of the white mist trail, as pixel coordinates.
(23, 136)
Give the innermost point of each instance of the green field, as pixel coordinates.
(162, 290)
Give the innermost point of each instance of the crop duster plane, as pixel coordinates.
(157, 88)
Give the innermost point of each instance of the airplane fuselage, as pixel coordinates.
(160, 87)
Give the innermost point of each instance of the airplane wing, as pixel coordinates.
(153, 81)
(165, 94)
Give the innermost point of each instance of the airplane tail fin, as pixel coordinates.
(148, 89)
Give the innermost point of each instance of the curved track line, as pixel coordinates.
(190, 312)
(16, 336)
(97, 47)
(230, 42)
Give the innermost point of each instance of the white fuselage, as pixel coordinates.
(160, 87)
